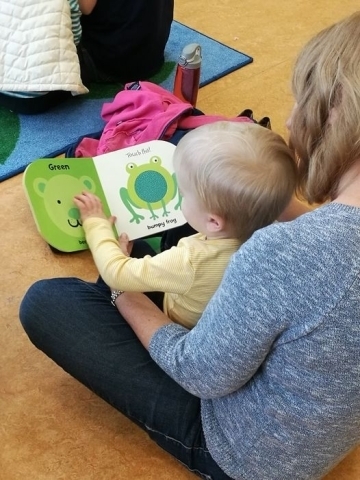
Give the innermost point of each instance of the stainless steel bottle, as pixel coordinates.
(187, 77)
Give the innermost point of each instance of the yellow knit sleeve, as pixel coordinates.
(170, 271)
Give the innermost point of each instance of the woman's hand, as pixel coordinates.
(90, 206)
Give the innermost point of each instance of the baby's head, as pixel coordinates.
(241, 174)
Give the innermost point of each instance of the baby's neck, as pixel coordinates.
(218, 235)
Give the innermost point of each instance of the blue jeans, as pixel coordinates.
(74, 323)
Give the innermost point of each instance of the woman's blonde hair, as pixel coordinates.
(242, 172)
(325, 125)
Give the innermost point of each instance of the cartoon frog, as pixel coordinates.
(150, 186)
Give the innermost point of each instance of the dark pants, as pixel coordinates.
(35, 105)
(74, 323)
(43, 103)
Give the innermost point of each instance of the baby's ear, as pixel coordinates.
(215, 223)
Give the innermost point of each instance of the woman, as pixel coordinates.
(266, 385)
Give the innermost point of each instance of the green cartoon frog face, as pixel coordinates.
(151, 187)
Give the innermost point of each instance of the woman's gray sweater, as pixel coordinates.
(275, 357)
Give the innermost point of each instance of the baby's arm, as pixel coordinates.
(89, 206)
(122, 272)
(87, 6)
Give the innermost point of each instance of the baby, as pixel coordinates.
(234, 178)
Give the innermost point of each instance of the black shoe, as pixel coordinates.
(265, 122)
(246, 113)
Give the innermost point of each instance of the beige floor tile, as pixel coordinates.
(52, 428)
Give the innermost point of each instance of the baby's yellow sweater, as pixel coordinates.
(188, 274)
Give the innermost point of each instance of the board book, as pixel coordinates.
(136, 184)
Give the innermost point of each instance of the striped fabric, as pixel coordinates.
(75, 19)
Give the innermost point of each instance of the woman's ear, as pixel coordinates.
(215, 223)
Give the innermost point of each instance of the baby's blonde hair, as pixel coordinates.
(242, 172)
(325, 126)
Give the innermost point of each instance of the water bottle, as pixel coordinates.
(187, 76)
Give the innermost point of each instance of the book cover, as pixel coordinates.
(136, 184)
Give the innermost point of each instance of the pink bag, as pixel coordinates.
(143, 111)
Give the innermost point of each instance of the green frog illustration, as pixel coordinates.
(150, 186)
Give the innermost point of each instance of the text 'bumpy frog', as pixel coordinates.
(150, 186)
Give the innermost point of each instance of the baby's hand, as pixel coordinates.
(89, 206)
(125, 244)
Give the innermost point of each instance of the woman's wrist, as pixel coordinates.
(114, 295)
(142, 315)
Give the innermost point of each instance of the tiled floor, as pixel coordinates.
(51, 427)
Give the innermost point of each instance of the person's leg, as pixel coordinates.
(89, 72)
(74, 323)
(34, 105)
(170, 238)
(142, 248)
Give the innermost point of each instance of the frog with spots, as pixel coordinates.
(150, 187)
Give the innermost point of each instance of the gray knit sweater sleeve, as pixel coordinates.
(275, 357)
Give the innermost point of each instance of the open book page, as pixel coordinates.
(141, 188)
(50, 186)
(135, 184)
